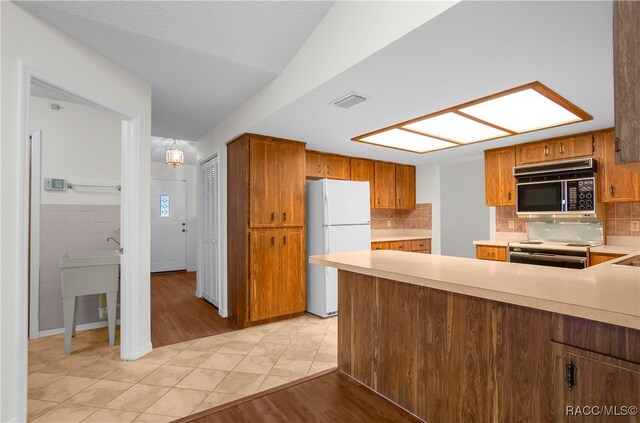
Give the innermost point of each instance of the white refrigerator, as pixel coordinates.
(338, 220)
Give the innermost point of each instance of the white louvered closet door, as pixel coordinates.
(210, 230)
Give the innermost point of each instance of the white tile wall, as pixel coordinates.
(78, 230)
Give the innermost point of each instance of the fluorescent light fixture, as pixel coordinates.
(451, 126)
(522, 109)
(405, 140)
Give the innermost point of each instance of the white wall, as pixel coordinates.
(184, 173)
(81, 144)
(456, 191)
(26, 39)
(349, 32)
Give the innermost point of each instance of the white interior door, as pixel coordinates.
(168, 225)
(209, 266)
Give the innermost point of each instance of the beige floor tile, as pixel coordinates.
(327, 354)
(137, 398)
(38, 381)
(132, 372)
(258, 365)
(66, 413)
(95, 368)
(154, 418)
(319, 366)
(211, 344)
(166, 376)
(237, 347)
(268, 349)
(63, 388)
(177, 402)
(291, 368)
(159, 356)
(105, 415)
(240, 383)
(180, 346)
(278, 338)
(215, 399)
(202, 379)
(36, 408)
(273, 381)
(189, 358)
(219, 361)
(98, 394)
(247, 336)
(300, 352)
(307, 338)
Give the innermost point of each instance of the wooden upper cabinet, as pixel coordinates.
(534, 153)
(362, 170)
(314, 165)
(405, 187)
(571, 147)
(616, 182)
(337, 167)
(276, 183)
(556, 149)
(385, 185)
(500, 185)
(263, 182)
(626, 65)
(325, 165)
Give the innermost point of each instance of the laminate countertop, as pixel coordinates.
(606, 293)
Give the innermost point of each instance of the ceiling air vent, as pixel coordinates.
(350, 100)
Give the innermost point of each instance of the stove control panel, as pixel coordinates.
(581, 195)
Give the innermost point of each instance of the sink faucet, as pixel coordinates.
(113, 239)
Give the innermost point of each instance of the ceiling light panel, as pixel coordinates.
(454, 127)
(522, 111)
(404, 140)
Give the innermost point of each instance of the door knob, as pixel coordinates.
(184, 230)
(184, 224)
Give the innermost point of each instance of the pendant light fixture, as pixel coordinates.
(174, 155)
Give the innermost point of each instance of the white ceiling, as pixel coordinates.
(203, 59)
(472, 50)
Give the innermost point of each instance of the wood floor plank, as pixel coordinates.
(177, 315)
(330, 397)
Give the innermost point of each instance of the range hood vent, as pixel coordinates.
(350, 100)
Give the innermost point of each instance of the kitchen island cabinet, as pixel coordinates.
(454, 339)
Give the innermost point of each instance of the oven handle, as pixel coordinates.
(548, 257)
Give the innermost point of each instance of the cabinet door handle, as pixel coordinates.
(378, 200)
(273, 216)
(612, 191)
(328, 170)
(284, 240)
(509, 196)
(319, 168)
(617, 144)
(284, 216)
(562, 148)
(273, 240)
(546, 150)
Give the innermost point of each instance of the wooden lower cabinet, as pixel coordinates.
(380, 246)
(597, 258)
(277, 273)
(591, 387)
(491, 252)
(414, 246)
(449, 357)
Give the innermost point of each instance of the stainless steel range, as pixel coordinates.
(564, 244)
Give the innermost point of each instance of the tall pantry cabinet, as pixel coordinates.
(265, 232)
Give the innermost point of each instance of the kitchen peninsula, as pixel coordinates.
(454, 339)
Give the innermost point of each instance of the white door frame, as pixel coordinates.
(129, 219)
(222, 285)
(35, 148)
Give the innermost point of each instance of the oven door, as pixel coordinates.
(544, 259)
(540, 197)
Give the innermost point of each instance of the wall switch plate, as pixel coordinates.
(512, 224)
(635, 226)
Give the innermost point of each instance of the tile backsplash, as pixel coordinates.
(420, 218)
(79, 230)
(508, 221)
(620, 217)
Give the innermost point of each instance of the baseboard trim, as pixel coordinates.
(79, 328)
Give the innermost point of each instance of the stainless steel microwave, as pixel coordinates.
(562, 189)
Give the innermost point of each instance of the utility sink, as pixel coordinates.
(87, 275)
(631, 261)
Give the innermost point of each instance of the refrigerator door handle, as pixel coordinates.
(326, 207)
(325, 233)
